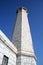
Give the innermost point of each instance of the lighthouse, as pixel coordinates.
(21, 38)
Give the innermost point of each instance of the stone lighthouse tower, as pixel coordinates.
(22, 39)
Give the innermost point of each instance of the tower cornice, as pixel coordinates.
(21, 8)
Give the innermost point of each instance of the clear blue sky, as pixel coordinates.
(35, 9)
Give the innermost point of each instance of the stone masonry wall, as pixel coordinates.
(25, 60)
(5, 50)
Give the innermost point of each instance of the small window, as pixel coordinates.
(5, 60)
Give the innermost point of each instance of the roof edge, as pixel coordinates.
(4, 38)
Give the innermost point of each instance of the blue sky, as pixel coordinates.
(35, 9)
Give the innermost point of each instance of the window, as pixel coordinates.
(5, 60)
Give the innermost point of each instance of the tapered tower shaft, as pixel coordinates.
(21, 37)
